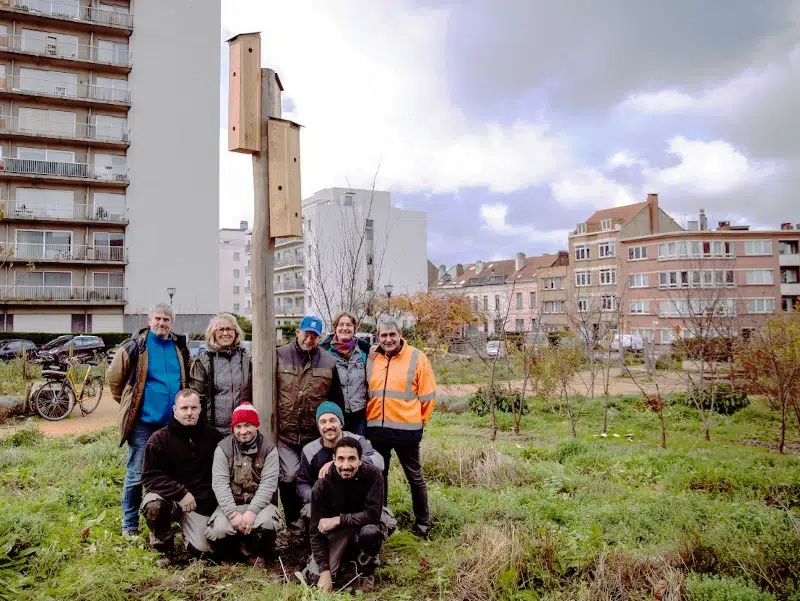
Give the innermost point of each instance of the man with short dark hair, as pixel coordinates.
(146, 373)
(346, 516)
(305, 377)
(177, 475)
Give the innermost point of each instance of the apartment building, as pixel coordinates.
(109, 165)
(234, 268)
(289, 280)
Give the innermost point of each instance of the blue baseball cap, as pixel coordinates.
(311, 324)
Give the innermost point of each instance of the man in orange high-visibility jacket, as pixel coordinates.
(402, 392)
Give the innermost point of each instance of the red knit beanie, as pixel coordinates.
(245, 413)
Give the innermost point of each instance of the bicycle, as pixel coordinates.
(56, 399)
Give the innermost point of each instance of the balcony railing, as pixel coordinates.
(289, 261)
(20, 210)
(289, 286)
(73, 11)
(282, 241)
(51, 47)
(62, 129)
(247, 269)
(64, 293)
(70, 252)
(58, 169)
(41, 86)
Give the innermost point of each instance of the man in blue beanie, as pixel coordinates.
(317, 457)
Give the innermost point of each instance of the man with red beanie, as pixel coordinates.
(244, 478)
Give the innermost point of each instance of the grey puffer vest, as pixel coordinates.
(352, 372)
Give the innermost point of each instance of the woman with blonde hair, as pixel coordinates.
(350, 353)
(221, 373)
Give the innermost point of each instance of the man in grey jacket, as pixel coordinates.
(244, 479)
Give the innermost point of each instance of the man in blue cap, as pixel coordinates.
(305, 377)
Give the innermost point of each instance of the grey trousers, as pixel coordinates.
(219, 526)
(160, 514)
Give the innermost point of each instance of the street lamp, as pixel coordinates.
(388, 288)
(171, 292)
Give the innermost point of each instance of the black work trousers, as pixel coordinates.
(408, 456)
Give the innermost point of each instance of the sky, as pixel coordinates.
(509, 121)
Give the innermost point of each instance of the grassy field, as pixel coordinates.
(532, 516)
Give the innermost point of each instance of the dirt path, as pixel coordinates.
(106, 413)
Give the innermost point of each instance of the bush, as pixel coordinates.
(714, 588)
(723, 399)
(504, 400)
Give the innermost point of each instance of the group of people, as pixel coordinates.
(195, 446)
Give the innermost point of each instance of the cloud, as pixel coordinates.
(495, 219)
(591, 187)
(660, 102)
(707, 169)
(624, 159)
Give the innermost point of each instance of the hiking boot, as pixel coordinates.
(130, 534)
(163, 562)
(365, 584)
(421, 530)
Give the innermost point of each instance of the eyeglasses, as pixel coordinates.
(226, 330)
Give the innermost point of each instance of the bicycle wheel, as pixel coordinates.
(54, 401)
(92, 391)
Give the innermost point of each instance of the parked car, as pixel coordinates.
(83, 347)
(630, 342)
(494, 349)
(195, 346)
(13, 347)
(366, 336)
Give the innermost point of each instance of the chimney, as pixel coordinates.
(693, 226)
(243, 226)
(787, 226)
(478, 267)
(442, 271)
(724, 225)
(520, 262)
(652, 208)
(703, 221)
(459, 269)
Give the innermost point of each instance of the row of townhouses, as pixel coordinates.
(638, 267)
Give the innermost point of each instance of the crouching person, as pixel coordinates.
(244, 479)
(177, 478)
(346, 518)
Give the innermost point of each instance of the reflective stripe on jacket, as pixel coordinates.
(402, 393)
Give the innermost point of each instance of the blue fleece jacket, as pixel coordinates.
(163, 380)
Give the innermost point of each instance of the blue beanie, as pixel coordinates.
(328, 407)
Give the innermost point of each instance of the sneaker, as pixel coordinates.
(421, 530)
(365, 584)
(163, 562)
(130, 534)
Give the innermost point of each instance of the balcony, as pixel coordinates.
(90, 18)
(289, 262)
(69, 253)
(26, 128)
(290, 312)
(68, 54)
(790, 289)
(789, 260)
(291, 286)
(54, 170)
(14, 210)
(247, 269)
(63, 295)
(285, 241)
(65, 92)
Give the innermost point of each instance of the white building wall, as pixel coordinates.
(107, 323)
(173, 159)
(232, 244)
(57, 323)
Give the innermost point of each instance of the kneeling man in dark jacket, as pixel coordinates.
(177, 477)
(346, 508)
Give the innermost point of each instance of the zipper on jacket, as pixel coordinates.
(385, 381)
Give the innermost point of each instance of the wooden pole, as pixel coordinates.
(264, 339)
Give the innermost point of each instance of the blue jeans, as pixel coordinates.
(132, 489)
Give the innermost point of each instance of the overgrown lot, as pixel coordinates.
(538, 515)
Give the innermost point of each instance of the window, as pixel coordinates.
(666, 336)
(52, 284)
(605, 224)
(640, 307)
(40, 202)
(237, 256)
(348, 200)
(108, 284)
(110, 166)
(47, 121)
(474, 280)
(496, 302)
(789, 276)
(109, 246)
(645, 333)
(582, 253)
(790, 247)
(37, 244)
(54, 44)
(553, 283)
(519, 301)
(109, 206)
(758, 276)
(583, 304)
(496, 279)
(554, 306)
(581, 228)
(608, 277)
(106, 127)
(533, 325)
(519, 325)
(485, 303)
(110, 88)
(606, 250)
(532, 300)
(44, 154)
(637, 280)
(757, 247)
(637, 253)
(236, 274)
(236, 307)
(112, 52)
(236, 290)
(54, 83)
(760, 305)
(583, 278)
(608, 302)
